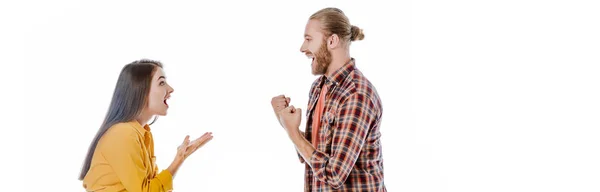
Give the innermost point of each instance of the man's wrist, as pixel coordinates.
(293, 132)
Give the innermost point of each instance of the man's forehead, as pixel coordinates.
(313, 27)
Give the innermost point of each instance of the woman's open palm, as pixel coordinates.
(188, 147)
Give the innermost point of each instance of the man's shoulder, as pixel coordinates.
(357, 84)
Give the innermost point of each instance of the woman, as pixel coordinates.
(121, 156)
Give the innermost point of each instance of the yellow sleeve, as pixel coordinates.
(124, 154)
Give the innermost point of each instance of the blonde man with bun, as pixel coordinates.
(341, 146)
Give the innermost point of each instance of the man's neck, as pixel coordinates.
(337, 63)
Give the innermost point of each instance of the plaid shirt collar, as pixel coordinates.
(339, 75)
(332, 81)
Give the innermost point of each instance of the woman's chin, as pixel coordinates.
(164, 113)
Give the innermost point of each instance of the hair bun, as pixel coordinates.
(356, 33)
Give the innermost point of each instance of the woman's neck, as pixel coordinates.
(143, 119)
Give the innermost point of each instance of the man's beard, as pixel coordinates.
(323, 59)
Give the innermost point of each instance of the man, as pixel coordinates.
(341, 147)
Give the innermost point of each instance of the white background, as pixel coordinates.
(477, 95)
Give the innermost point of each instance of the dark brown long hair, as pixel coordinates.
(129, 99)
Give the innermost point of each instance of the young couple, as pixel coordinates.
(341, 147)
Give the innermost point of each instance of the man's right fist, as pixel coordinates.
(279, 103)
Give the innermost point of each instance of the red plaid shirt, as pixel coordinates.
(348, 156)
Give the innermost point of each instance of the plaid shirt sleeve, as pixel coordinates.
(354, 118)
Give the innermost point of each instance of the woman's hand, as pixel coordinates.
(187, 148)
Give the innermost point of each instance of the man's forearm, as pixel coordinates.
(302, 145)
(298, 152)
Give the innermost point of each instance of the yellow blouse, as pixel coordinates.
(124, 161)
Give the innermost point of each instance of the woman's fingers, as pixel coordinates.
(186, 141)
(197, 139)
(199, 142)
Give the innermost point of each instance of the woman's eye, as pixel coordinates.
(162, 83)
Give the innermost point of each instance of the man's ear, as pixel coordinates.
(333, 41)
